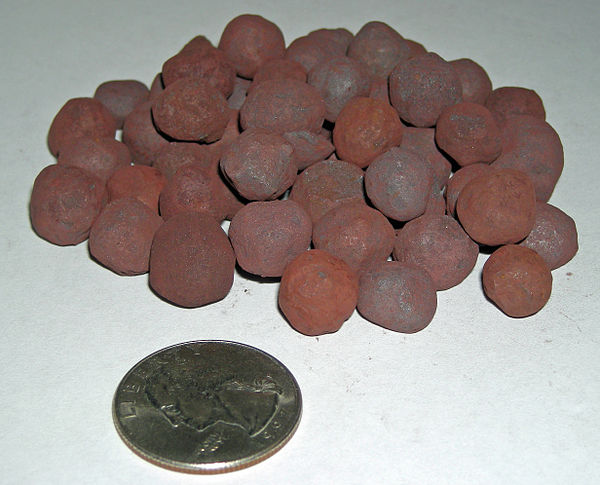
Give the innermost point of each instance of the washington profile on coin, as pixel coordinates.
(207, 406)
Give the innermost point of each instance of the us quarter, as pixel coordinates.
(207, 406)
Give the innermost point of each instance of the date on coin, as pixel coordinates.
(207, 407)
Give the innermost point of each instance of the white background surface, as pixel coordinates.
(476, 397)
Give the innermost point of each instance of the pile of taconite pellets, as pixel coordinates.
(358, 171)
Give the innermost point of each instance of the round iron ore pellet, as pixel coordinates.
(318, 292)
(121, 236)
(100, 157)
(468, 133)
(422, 140)
(336, 40)
(194, 187)
(339, 79)
(65, 202)
(553, 237)
(397, 296)
(141, 136)
(380, 47)
(191, 110)
(309, 147)
(308, 52)
(440, 246)
(497, 207)
(282, 105)
(476, 84)
(364, 129)
(191, 261)
(532, 146)
(355, 233)
(77, 118)
(459, 179)
(210, 65)
(517, 280)
(121, 97)
(249, 41)
(266, 236)
(511, 101)
(139, 181)
(327, 184)
(278, 69)
(399, 183)
(422, 87)
(259, 165)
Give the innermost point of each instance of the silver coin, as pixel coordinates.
(207, 406)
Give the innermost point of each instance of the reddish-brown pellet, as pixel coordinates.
(191, 260)
(121, 236)
(517, 279)
(318, 292)
(266, 236)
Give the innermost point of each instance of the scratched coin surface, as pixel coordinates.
(207, 406)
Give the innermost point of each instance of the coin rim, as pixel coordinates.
(216, 467)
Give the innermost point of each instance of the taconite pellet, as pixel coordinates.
(194, 187)
(210, 65)
(327, 184)
(498, 207)
(422, 87)
(259, 164)
(440, 246)
(506, 102)
(397, 296)
(278, 69)
(100, 157)
(517, 280)
(121, 97)
(398, 183)
(339, 79)
(365, 128)
(77, 118)
(532, 146)
(282, 105)
(336, 40)
(249, 41)
(191, 260)
(121, 236)
(266, 236)
(476, 84)
(141, 136)
(318, 292)
(191, 110)
(553, 237)
(356, 233)
(308, 52)
(380, 47)
(65, 202)
(468, 133)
